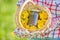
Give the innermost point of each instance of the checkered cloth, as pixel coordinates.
(54, 7)
(55, 33)
(54, 30)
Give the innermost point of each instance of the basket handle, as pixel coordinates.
(25, 4)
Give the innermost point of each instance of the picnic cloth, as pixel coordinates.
(54, 7)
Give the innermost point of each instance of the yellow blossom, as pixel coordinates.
(43, 15)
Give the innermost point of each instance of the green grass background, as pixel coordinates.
(7, 22)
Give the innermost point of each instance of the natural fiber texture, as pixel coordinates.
(54, 8)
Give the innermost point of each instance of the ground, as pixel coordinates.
(7, 22)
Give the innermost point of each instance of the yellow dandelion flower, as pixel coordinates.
(25, 14)
(32, 28)
(27, 26)
(40, 24)
(24, 20)
(43, 15)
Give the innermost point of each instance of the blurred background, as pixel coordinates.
(7, 22)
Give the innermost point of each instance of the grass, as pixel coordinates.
(7, 22)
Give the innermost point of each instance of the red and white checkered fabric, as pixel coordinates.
(54, 7)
